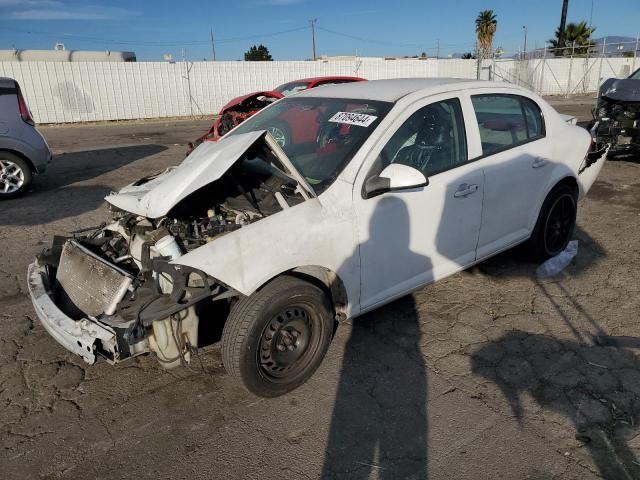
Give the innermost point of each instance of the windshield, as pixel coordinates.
(292, 87)
(319, 135)
(635, 75)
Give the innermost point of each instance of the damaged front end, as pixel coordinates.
(234, 113)
(119, 290)
(96, 305)
(617, 117)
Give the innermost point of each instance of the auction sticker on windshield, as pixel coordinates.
(359, 119)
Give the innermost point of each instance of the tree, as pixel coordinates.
(486, 25)
(468, 56)
(258, 54)
(579, 33)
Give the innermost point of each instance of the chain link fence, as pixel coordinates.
(566, 71)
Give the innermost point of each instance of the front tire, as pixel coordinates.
(555, 225)
(15, 175)
(275, 339)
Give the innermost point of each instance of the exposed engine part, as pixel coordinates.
(617, 116)
(121, 274)
(172, 338)
(239, 113)
(89, 284)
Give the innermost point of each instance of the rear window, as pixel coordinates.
(292, 87)
(506, 121)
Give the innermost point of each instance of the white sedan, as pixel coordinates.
(382, 187)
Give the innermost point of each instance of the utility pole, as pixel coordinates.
(635, 53)
(438, 48)
(563, 23)
(524, 49)
(213, 46)
(313, 36)
(478, 60)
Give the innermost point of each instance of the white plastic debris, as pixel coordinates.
(556, 264)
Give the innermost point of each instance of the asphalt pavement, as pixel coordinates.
(488, 374)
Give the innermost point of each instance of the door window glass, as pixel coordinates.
(431, 140)
(506, 120)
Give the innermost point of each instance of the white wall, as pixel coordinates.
(92, 91)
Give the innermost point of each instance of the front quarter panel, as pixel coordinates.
(309, 234)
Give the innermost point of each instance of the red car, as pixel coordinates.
(241, 108)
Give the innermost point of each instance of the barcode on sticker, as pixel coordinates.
(359, 119)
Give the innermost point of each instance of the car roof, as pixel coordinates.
(7, 82)
(394, 90)
(330, 77)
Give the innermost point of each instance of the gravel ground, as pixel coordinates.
(488, 374)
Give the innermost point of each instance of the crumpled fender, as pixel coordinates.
(303, 235)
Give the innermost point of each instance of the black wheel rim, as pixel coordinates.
(287, 343)
(560, 222)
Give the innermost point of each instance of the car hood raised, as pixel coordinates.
(623, 90)
(156, 195)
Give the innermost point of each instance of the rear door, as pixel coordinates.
(515, 159)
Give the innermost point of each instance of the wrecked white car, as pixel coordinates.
(392, 185)
(616, 116)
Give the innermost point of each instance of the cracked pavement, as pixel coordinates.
(490, 373)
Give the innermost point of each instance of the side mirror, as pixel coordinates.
(393, 178)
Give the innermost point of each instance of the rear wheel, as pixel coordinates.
(274, 340)
(15, 175)
(555, 224)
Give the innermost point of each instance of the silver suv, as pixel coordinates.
(23, 151)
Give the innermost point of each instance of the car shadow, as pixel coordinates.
(514, 263)
(69, 168)
(379, 422)
(73, 184)
(592, 382)
(590, 378)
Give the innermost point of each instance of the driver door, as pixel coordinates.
(412, 237)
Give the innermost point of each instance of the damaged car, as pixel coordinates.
(403, 182)
(235, 112)
(239, 109)
(616, 116)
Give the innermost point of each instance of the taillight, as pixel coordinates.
(24, 110)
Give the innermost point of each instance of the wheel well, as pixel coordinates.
(569, 182)
(325, 279)
(20, 155)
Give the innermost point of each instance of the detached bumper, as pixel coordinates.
(84, 337)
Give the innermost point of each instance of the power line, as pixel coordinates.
(150, 43)
(368, 40)
(218, 41)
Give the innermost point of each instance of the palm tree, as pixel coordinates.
(579, 33)
(486, 25)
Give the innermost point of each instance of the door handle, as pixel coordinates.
(465, 190)
(539, 162)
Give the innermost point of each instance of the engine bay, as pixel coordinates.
(149, 302)
(617, 116)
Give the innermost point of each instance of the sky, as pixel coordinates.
(344, 27)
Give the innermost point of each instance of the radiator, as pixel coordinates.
(89, 285)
